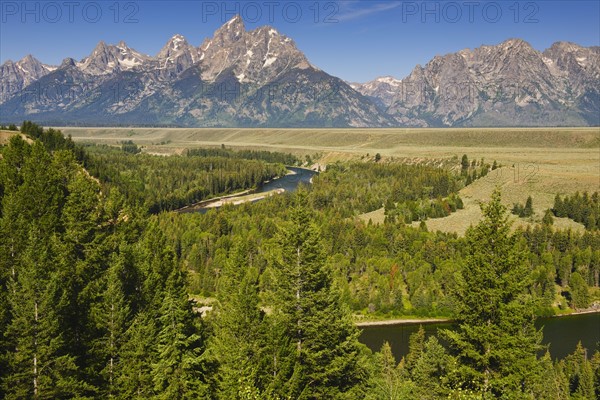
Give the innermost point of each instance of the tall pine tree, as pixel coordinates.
(496, 341)
(239, 343)
(325, 355)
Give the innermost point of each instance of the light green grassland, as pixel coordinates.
(540, 162)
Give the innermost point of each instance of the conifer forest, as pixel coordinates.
(109, 291)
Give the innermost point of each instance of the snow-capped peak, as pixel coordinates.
(175, 45)
(390, 80)
(106, 59)
(177, 41)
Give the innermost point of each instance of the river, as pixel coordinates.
(288, 183)
(561, 333)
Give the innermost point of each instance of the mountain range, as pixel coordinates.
(259, 78)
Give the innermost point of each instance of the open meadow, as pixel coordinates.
(540, 162)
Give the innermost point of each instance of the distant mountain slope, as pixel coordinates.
(257, 78)
(510, 84)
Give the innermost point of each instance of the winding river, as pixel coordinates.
(287, 183)
(561, 333)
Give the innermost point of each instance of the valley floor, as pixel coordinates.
(540, 162)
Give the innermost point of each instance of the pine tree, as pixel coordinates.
(177, 372)
(579, 291)
(111, 315)
(239, 342)
(137, 355)
(579, 373)
(325, 352)
(464, 164)
(496, 341)
(431, 369)
(39, 364)
(528, 209)
(559, 207)
(416, 343)
(548, 218)
(13, 232)
(390, 380)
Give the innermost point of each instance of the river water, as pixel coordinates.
(562, 334)
(288, 182)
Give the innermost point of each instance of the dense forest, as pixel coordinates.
(580, 208)
(96, 282)
(168, 183)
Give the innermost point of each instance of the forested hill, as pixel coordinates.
(95, 289)
(168, 183)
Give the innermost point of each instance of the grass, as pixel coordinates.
(6, 135)
(542, 186)
(384, 140)
(540, 162)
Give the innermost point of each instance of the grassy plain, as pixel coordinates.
(540, 162)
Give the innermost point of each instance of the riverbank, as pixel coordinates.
(592, 310)
(415, 321)
(403, 321)
(240, 199)
(204, 203)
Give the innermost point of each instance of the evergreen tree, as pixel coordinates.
(13, 223)
(177, 371)
(464, 164)
(528, 209)
(548, 218)
(111, 315)
(416, 344)
(559, 207)
(137, 355)
(579, 373)
(431, 369)
(580, 297)
(239, 340)
(325, 355)
(390, 380)
(40, 366)
(496, 341)
(596, 367)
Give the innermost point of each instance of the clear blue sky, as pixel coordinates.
(355, 40)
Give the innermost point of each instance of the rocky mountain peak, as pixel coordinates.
(252, 57)
(175, 46)
(14, 76)
(231, 32)
(514, 43)
(67, 62)
(31, 67)
(382, 89)
(566, 47)
(177, 55)
(390, 80)
(29, 59)
(107, 59)
(101, 47)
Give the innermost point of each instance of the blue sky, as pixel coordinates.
(356, 40)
